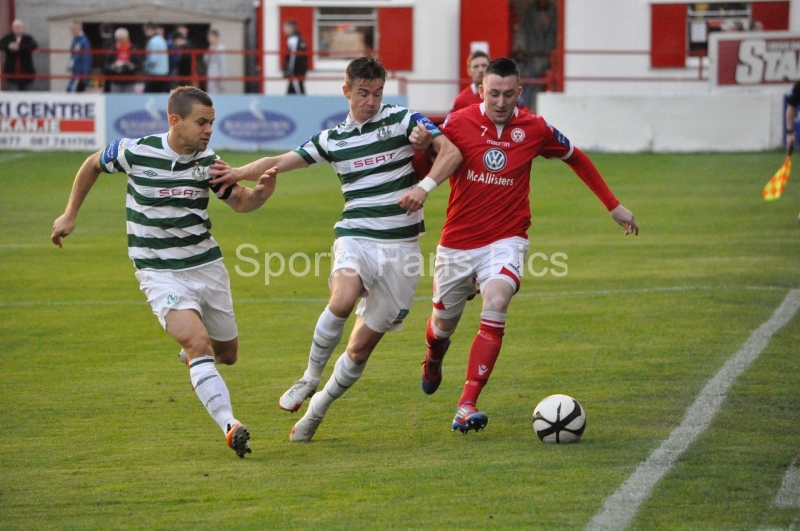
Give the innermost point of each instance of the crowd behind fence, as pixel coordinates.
(256, 81)
(197, 75)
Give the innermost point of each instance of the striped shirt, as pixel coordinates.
(373, 162)
(166, 207)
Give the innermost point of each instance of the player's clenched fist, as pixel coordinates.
(222, 173)
(413, 199)
(420, 137)
(62, 227)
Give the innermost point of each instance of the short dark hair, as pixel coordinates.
(106, 28)
(368, 68)
(182, 99)
(502, 67)
(474, 55)
(150, 26)
(291, 22)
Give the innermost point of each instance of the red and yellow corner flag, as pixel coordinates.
(776, 185)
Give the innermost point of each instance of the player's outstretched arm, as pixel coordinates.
(84, 180)
(446, 163)
(222, 173)
(244, 199)
(587, 171)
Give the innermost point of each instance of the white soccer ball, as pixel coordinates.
(559, 419)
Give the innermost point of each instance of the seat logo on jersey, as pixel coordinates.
(517, 135)
(495, 159)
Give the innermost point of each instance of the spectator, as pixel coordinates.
(124, 62)
(216, 63)
(80, 61)
(540, 22)
(156, 63)
(295, 63)
(107, 43)
(18, 46)
(183, 68)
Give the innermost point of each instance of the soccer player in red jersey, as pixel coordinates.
(476, 66)
(484, 236)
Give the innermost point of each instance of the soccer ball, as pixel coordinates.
(559, 419)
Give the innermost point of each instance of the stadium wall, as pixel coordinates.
(434, 54)
(615, 99)
(678, 123)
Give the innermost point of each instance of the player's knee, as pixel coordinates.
(197, 346)
(497, 300)
(227, 358)
(341, 308)
(359, 353)
(445, 325)
(226, 352)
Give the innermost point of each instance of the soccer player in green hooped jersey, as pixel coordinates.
(178, 263)
(376, 253)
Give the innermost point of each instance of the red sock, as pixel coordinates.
(482, 355)
(436, 345)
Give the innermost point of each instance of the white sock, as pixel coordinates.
(327, 335)
(345, 374)
(212, 391)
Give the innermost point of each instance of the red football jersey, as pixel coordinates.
(468, 96)
(489, 191)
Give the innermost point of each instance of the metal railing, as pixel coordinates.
(196, 76)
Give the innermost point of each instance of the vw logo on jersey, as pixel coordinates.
(494, 160)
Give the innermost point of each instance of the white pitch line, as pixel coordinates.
(789, 495)
(11, 157)
(265, 300)
(620, 508)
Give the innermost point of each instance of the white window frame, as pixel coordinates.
(323, 62)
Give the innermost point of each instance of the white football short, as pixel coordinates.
(206, 289)
(457, 271)
(389, 272)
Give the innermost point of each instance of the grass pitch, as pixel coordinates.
(100, 427)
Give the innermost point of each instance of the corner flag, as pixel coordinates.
(777, 184)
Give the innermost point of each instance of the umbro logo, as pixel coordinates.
(150, 173)
(342, 143)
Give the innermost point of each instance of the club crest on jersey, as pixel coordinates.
(383, 132)
(517, 135)
(199, 173)
(495, 159)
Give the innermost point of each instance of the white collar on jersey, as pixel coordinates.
(499, 127)
(352, 122)
(172, 153)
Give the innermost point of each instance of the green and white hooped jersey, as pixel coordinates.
(166, 206)
(373, 162)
